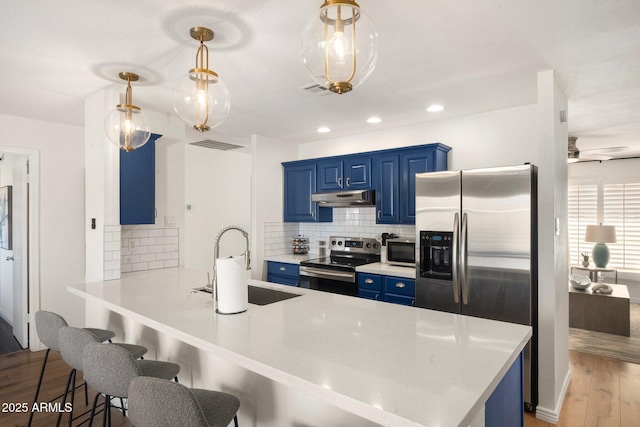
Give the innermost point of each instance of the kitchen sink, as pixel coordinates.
(262, 296)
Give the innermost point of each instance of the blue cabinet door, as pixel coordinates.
(299, 184)
(283, 273)
(330, 174)
(387, 189)
(411, 164)
(357, 173)
(138, 184)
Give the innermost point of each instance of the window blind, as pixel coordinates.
(622, 209)
(582, 210)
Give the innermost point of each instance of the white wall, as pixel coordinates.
(267, 192)
(553, 298)
(497, 138)
(218, 187)
(62, 259)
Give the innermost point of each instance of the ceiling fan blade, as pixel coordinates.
(594, 156)
(606, 149)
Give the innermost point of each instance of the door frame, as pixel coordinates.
(33, 276)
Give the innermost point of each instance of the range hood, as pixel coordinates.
(345, 198)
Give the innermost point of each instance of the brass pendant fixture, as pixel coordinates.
(201, 99)
(126, 125)
(339, 45)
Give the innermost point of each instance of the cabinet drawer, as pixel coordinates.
(400, 285)
(283, 269)
(371, 282)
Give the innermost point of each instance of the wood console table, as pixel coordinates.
(600, 312)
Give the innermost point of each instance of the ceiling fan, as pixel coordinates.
(600, 153)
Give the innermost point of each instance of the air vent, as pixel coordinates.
(215, 145)
(316, 89)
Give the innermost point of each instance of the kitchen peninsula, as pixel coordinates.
(392, 365)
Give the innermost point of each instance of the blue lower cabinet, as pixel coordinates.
(399, 290)
(505, 406)
(370, 286)
(283, 273)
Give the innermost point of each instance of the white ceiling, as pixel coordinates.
(469, 56)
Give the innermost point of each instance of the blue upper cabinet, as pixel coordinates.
(330, 175)
(345, 173)
(411, 164)
(387, 174)
(299, 184)
(357, 173)
(138, 184)
(391, 173)
(395, 172)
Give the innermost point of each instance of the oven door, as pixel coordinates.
(334, 281)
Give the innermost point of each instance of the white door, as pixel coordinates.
(20, 252)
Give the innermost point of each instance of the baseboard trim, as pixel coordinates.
(552, 415)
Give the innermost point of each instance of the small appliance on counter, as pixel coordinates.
(300, 245)
(401, 251)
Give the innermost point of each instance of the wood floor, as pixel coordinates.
(19, 373)
(603, 392)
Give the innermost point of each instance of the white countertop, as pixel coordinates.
(388, 270)
(394, 365)
(290, 258)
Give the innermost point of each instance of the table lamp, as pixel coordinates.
(600, 235)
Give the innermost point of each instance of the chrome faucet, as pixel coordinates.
(216, 252)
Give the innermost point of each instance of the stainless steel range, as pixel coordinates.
(337, 272)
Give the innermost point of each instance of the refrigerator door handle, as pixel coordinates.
(454, 261)
(463, 261)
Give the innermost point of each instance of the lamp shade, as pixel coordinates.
(600, 234)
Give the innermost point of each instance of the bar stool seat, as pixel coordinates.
(101, 334)
(156, 402)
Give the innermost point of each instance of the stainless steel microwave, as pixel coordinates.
(401, 251)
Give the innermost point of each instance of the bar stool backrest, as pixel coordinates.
(72, 344)
(155, 402)
(109, 369)
(48, 325)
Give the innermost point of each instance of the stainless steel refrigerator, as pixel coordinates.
(476, 249)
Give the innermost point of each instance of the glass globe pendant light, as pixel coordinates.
(201, 98)
(126, 125)
(339, 45)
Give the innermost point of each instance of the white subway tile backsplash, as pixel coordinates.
(348, 222)
(111, 246)
(148, 248)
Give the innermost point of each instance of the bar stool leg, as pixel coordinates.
(35, 399)
(64, 396)
(93, 409)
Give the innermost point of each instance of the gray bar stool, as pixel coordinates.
(72, 343)
(109, 370)
(48, 324)
(155, 402)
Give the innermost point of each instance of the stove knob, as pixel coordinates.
(333, 242)
(376, 246)
(368, 245)
(340, 243)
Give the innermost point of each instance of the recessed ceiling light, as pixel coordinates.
(435, 108)
(324, 129)
(374, 120)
